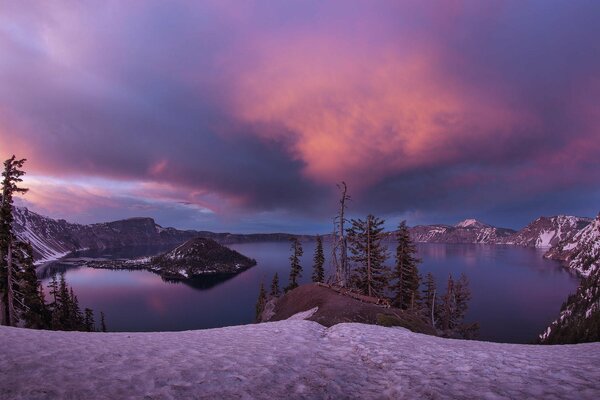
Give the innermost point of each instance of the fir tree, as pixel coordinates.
(102, 322)
(405, 272)
(8, 272)
(368, 252)
(88, 322)
(318, 262)
(275, 292)
(295, 267)
(260, 303)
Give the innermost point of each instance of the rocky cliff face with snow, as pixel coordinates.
(467, 231)
(52, 239)
(579, 319)
(546, 232)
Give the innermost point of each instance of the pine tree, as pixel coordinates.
(295, 267)
(368, 252)
(405, 272)
(88, 322)
(102, 322)
(275, 292)
(8, 273)
(430, 302)
(260, 303)
(318, 262)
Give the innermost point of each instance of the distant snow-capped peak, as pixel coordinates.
(471, 223)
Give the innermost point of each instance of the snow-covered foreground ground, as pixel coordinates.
(288, 359)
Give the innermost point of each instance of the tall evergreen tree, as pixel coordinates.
(102, 322)
(75, 313)
(405, 272)
(34, 311)
(88, 321)
(11, 174)
(295, 267)
(65, 306)
(275, 292)
(318, 274)
(430, 302)
(369, 254)
(260, 302)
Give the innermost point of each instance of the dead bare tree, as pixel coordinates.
(339, 248)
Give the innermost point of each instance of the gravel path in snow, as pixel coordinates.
(288, 359)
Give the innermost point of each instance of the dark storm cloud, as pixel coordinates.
(435, 111)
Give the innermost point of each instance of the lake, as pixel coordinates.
(515, 292)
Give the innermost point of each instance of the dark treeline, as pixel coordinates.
(365, 270)
(22, 297)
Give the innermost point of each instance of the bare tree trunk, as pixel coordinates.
(11, 293)
(369, 278)
(433, 308)
(341, 271)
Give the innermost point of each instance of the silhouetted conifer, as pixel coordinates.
(318, 262)
(275, 292)
(369, 254)
(295, 267)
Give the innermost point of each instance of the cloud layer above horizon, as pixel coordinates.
(229, 115)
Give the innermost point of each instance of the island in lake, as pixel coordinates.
(196, 257)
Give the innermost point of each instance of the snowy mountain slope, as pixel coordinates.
(51, 239)
(467, 231)
(581, 251)
(294, 359)
(472, 223)
(546, 232)
(579, 318)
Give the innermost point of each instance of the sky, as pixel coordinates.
(243, 116)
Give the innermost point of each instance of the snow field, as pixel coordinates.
(293, 359)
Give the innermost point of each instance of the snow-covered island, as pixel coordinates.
(295, 359)
(196, 257)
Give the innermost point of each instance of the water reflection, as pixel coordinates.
(516, 293)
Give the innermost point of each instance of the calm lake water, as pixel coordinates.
(515, 292)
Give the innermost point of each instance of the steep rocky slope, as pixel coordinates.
(546, 232)
(468, 231)
(579, 319)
